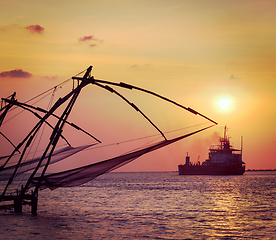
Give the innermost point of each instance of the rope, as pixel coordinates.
(23, 109)
(150, 136)
(36, 136)
(45, 92)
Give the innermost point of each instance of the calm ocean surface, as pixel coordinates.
(157, 205)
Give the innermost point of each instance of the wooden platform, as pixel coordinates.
(17, 201)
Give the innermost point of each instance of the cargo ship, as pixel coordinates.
(223, 159)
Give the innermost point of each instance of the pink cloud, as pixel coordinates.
(16, 73)
(86, 38)
(35, 28)
(50, 78)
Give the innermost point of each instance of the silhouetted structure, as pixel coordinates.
(223, 160)
(17, 163)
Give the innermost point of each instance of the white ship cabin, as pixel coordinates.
(225, 158)
(224, 153)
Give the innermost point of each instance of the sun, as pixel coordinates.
(224, 103)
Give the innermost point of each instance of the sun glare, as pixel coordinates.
(224, 103)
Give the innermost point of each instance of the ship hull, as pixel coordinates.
(211, 170)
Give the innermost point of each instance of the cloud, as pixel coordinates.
(90, 38)
(50, 78)
(86, 38)
(233, 77)
(35, 28)
(138, 66)
(200, 146)
(2, 29)
(17, 73)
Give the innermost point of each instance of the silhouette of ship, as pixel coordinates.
(223, 160)
(27, 164)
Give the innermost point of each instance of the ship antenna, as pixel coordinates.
(241, 144)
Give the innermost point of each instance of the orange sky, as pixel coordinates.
(193, 52)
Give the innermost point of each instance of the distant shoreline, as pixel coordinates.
(254, 170)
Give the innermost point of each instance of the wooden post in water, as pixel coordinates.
(34, 204)
(18, 204)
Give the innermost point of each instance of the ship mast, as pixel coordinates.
(241, 146)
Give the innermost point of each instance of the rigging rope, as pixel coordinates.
(55, 87)
(15, 107)
(36, 136)
(45, 92)
(136, 139)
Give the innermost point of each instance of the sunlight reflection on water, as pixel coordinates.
(153, 206)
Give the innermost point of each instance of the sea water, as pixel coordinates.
(152, 205)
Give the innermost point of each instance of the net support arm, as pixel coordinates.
(8, 141)
(27, 106)
(57, 130)
(128, 86)
(132, 105)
